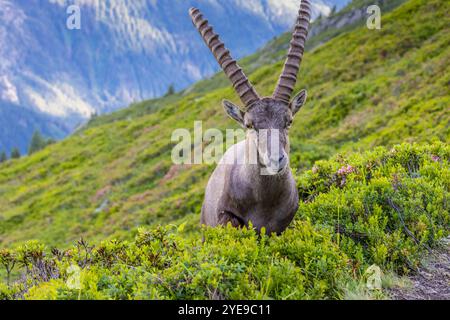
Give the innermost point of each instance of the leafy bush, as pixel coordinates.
(384, 207)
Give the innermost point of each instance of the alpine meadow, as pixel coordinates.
(369, 153)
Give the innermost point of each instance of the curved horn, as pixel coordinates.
(288, 78)
(240, 82)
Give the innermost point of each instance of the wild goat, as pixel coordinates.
(261, 192)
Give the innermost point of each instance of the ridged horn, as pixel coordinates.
(288, 78)
(241, 84)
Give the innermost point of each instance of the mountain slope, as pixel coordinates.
(366, 88)
(125, 51)
(322, 30)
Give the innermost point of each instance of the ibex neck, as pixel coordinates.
(255, 175)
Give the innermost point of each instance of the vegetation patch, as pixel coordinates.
(382, 208)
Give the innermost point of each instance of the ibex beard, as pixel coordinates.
(238, 192)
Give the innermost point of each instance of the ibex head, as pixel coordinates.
(270, 114)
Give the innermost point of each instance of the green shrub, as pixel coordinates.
(384, 207)
(230, 264)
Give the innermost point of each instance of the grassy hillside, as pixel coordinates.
(273, 52)
(366, 88)
(381, 209)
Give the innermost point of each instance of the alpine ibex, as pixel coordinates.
(238, 192)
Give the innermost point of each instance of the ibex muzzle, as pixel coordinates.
(262, 191)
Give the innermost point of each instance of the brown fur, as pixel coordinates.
(238, 192)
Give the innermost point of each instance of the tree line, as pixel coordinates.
(38, 142)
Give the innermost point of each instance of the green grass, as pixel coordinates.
(367, 88)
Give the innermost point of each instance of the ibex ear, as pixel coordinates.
(234, 112)
(298, 102)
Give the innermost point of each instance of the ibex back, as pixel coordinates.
(263, 191)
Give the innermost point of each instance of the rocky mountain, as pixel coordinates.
(124, 51)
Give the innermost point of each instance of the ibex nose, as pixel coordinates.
(282, 162)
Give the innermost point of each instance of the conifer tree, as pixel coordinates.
(3, 157)
(37, 142)
(15, 153)
(170, 91)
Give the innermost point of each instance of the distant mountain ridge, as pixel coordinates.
(126, 50)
